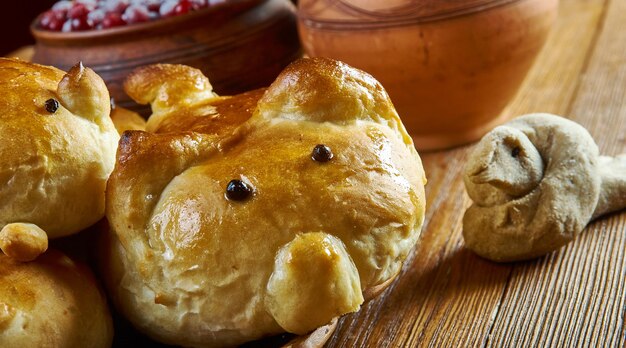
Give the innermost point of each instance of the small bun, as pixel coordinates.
(51, 302)
(167, 88)
(23, 242)
(57, 145)
(125, 119)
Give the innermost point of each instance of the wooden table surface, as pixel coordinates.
(575, 297)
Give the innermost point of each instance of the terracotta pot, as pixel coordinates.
(240, 45)
(450, 67)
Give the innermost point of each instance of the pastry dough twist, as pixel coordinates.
(536, 182)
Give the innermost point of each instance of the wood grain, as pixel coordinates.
(575, 297)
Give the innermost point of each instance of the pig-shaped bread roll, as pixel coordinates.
(275, 210)
(57, 145)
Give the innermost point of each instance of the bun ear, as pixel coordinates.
(168, 86)
(84, 93)
(326, 90)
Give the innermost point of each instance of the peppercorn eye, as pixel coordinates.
(322, 153)
(52, 105)
(237, 190)
(515, 152)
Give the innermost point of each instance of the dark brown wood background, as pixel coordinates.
(15, 19)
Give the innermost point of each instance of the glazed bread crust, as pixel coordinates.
(55, 164)
(51, 302)
(190, 267)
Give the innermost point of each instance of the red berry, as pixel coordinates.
(79, 24)
(52, 20)
(78, 11)
(153, 5)
(112, 19)
(183, 7)
(56, 25)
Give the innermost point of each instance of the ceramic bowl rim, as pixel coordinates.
(368, 21)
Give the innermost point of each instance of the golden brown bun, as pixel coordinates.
(51, 302)
(190, 267)
(54, 164)
(23, 242)
(125, 119)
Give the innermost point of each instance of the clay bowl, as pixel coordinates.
(240, 45)
(450, 67)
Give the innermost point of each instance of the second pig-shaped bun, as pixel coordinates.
(275, 210)
(57, 147)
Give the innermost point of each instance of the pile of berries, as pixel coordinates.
(78, 15)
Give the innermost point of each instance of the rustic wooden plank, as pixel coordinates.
(445, 295)
(576, 297)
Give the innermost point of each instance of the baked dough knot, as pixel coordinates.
(535, 183)
(235, 218)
